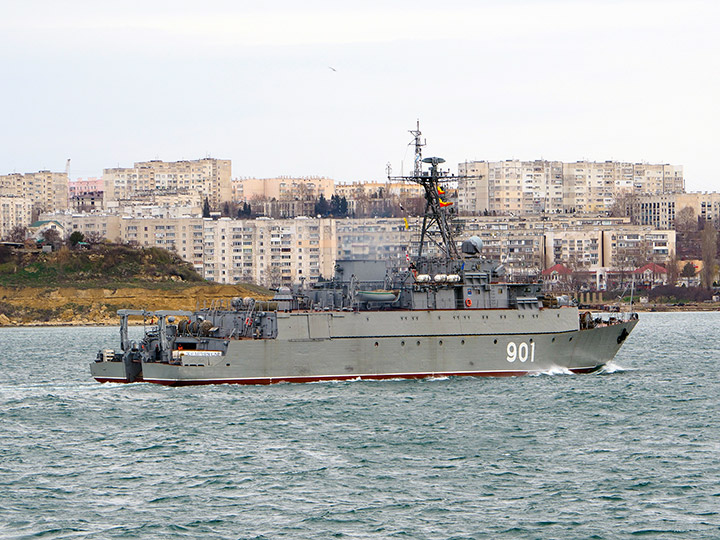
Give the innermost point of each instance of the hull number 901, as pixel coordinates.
(522, 351)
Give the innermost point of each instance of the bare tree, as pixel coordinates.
(709, 254)
(685, 220)
(94, 237)
(52, 237)
(273, 277)
(672, 268)
(17, 234)
(622, 205)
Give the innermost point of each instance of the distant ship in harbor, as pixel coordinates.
(449, 314)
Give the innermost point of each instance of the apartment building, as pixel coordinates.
(626, 247)
(14, 212)
(269, 252)
(282, 188)
(376, 238)
(207, 177)
(274, 252)
(358, 190)
(527, 187)
(171, 198)
(98, 225)
(660, 210)
(46, 191)
(473, 192)
(83, 187)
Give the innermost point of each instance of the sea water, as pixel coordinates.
(633, 451)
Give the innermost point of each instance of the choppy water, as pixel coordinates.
(633, 452)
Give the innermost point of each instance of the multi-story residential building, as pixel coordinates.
(14, 212)
(526, 187)
(207, 177)
(170, 198)
(82, 187)
(269, 252)
(660, 210)
(46, 191)
(96, 224)
(626, 247)
(282, 188)
(86, 195)
(375, 238)
(358, 190)
(384, 198)
(473, 189)
(276, 252)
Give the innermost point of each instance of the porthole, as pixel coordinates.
(495, 341)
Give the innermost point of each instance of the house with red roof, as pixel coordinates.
(651, 275)
(557, 274)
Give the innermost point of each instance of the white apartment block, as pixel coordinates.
(660, 210)
(269, 252)
(625, 247)
(282, 188)
(161, 199)
(14, 212)
(358, 190)
(472, 189)
(46, 191)
(272, 252)
(526, 187)
(376, 238)
(208, 177)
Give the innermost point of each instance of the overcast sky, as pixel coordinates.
(108, 84)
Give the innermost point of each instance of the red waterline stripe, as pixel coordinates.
(275, 380)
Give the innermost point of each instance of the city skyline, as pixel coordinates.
(332, 91)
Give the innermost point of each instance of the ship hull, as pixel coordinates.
(320, 347)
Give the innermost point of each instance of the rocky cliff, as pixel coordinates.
(68, 305)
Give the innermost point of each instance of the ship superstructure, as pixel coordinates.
(452, 312)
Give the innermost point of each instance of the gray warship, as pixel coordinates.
(454, 313)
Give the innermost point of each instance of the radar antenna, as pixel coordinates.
(417, 170)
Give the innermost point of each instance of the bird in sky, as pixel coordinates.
(332, 68)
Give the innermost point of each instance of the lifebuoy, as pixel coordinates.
(248, 322)
(468, 302)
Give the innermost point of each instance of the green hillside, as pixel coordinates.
(101, 265)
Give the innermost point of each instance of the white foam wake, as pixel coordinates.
(554, 370)
(612, 367)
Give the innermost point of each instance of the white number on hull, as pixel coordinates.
(521, 352)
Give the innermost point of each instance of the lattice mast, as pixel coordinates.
(435, 226)
(417, 170)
